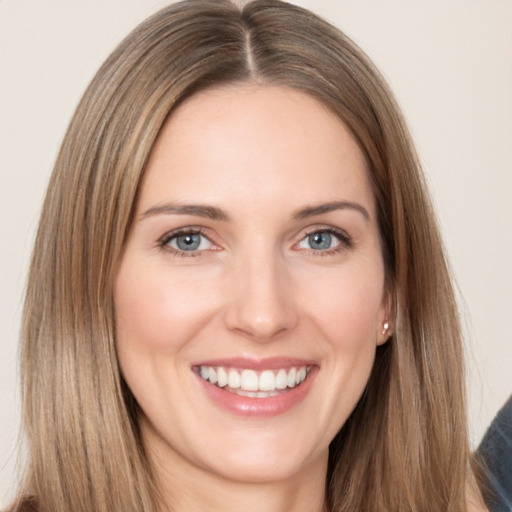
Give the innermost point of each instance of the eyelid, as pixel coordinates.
(164, 241)
(329, 228)
(345, 240)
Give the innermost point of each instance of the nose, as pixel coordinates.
(262, 304)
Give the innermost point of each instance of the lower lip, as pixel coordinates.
(259, 407)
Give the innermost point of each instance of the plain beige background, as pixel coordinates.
(450, 65)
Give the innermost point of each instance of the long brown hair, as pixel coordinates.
(404, 446)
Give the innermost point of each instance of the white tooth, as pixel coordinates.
(255, 394)
(249, 380)
(243, 392)
(203, 371)
(212, 375)
(267, 381)
(222, 377)
(233, 379)
(281, 380)
(292, 374)
(301, 375)
(266, 394)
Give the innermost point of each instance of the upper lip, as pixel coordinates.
(268, 363)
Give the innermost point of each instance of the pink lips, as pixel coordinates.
(257, 407)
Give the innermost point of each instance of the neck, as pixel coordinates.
(185, 487)
(225, 496)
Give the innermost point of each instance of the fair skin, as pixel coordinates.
(254, 247)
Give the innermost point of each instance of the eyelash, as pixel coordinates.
(345, 241)
(344, 238)
(164, 242)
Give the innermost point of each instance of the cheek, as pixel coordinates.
(158, 313)
(342, 312)
(349, 307)
(156, 309)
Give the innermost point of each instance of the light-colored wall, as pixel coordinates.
(450, 65)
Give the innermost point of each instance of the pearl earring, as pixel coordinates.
(385, 327)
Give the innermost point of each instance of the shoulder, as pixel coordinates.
(495, 456)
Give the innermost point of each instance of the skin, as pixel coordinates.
(256, 288)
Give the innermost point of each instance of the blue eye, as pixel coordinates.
(322, 240)
(191, 241)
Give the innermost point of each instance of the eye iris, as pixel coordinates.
(188, 242)
(320, 240)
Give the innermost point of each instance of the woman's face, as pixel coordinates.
(250, 297)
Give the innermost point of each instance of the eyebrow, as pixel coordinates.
(311, 211)
(214, 213)
(199, 210)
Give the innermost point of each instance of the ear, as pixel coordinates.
(385, 318)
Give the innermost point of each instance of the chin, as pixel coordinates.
(242, 467)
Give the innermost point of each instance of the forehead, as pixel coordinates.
(257, 144)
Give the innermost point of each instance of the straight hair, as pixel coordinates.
(404, 447)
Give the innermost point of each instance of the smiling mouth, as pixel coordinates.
(254, 384)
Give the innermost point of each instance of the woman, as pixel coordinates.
(238, 295)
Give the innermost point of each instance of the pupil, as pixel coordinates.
(320, 240)
(189, 242)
